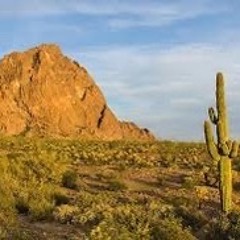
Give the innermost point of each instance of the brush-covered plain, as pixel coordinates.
(71, 189)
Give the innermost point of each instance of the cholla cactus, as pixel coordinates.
(224, 149)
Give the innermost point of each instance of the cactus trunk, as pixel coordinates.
(225, 183)
(224, 150)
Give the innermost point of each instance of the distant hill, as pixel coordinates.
(44, 93)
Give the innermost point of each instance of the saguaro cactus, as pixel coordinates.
(224, 149)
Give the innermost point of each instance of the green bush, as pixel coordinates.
(60, 198)
(69, 179)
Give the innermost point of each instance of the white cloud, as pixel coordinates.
(166, 89)
(121, 14)
(166, 13)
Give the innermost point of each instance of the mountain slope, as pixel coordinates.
(43, 92)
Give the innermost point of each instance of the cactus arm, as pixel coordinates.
(230, 144)
(223, 149)
(234, 150)
(212, 115)
(209, 138)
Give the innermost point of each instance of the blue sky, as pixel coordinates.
(154, 60)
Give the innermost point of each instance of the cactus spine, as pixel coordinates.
(224, 149)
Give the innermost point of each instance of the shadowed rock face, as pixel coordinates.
(44, 93)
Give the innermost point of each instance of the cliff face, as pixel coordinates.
(42, 92)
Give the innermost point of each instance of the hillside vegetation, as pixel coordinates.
(70, 189)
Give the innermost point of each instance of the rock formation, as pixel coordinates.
(44, 93)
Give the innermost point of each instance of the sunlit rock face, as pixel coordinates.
(44, 93)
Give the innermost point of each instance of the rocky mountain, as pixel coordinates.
(44, 93)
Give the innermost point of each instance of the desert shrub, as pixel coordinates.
(168, 160)
(110, 230)
(36, 199)
(108, 218)
(210, 176)
(69, 179)
(41, 209)
(225, 227)
(122, 222)
(234, 230)
(170, 229)
(30, 176)
(186, 201)
(219, 228)
(65, 213)
(7, 211)
(7, 216)
(129, 222)
(119, 153)
(191, 217)
(189, 182)
(60, 198)
(22, 205)
(202, 195)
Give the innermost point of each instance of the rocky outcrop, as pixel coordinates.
(44, 93)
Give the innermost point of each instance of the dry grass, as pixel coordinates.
(55, 189)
